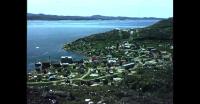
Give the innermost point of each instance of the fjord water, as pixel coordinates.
(46, 38)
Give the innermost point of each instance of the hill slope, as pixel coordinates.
(162, 30)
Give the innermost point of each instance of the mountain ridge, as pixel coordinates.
(31, 16)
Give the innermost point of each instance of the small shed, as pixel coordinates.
(38, 66)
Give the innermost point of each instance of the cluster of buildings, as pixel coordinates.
(49, 69)
(44, 66)
(103, 68)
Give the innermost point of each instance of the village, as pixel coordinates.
(101, 69)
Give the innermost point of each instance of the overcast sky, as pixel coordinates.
(130, 8)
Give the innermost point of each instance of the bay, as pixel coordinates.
(46, 38)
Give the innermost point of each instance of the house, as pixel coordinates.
(117, 79)
(111, 71)
(112, 61)
(127, 46)
(95, 84)
(116, 29)
(163, 52)
(65, 60)
(94, 75)
(128, 66)
(142, 49)
(52, 77)
(110, 48)
(38, 66)
(42, 66)
(131, 32)
(150, 63)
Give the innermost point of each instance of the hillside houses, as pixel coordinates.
(113, 60)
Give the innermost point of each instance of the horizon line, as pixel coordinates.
(97, 15)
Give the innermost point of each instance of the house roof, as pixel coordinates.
(66, 56)
(129, 64)
(38, 63)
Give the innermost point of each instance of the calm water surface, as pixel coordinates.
(46, 38)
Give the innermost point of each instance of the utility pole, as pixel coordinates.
(50, 60)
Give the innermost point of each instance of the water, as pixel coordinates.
(46, 38)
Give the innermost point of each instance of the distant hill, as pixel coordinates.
(31, 16)
(162, 30)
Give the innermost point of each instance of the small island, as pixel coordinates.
(121, 66)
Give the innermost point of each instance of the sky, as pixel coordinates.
(128, 8)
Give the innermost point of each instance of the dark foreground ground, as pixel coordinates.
(98, 94)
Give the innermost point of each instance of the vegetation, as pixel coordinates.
(159, 31)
